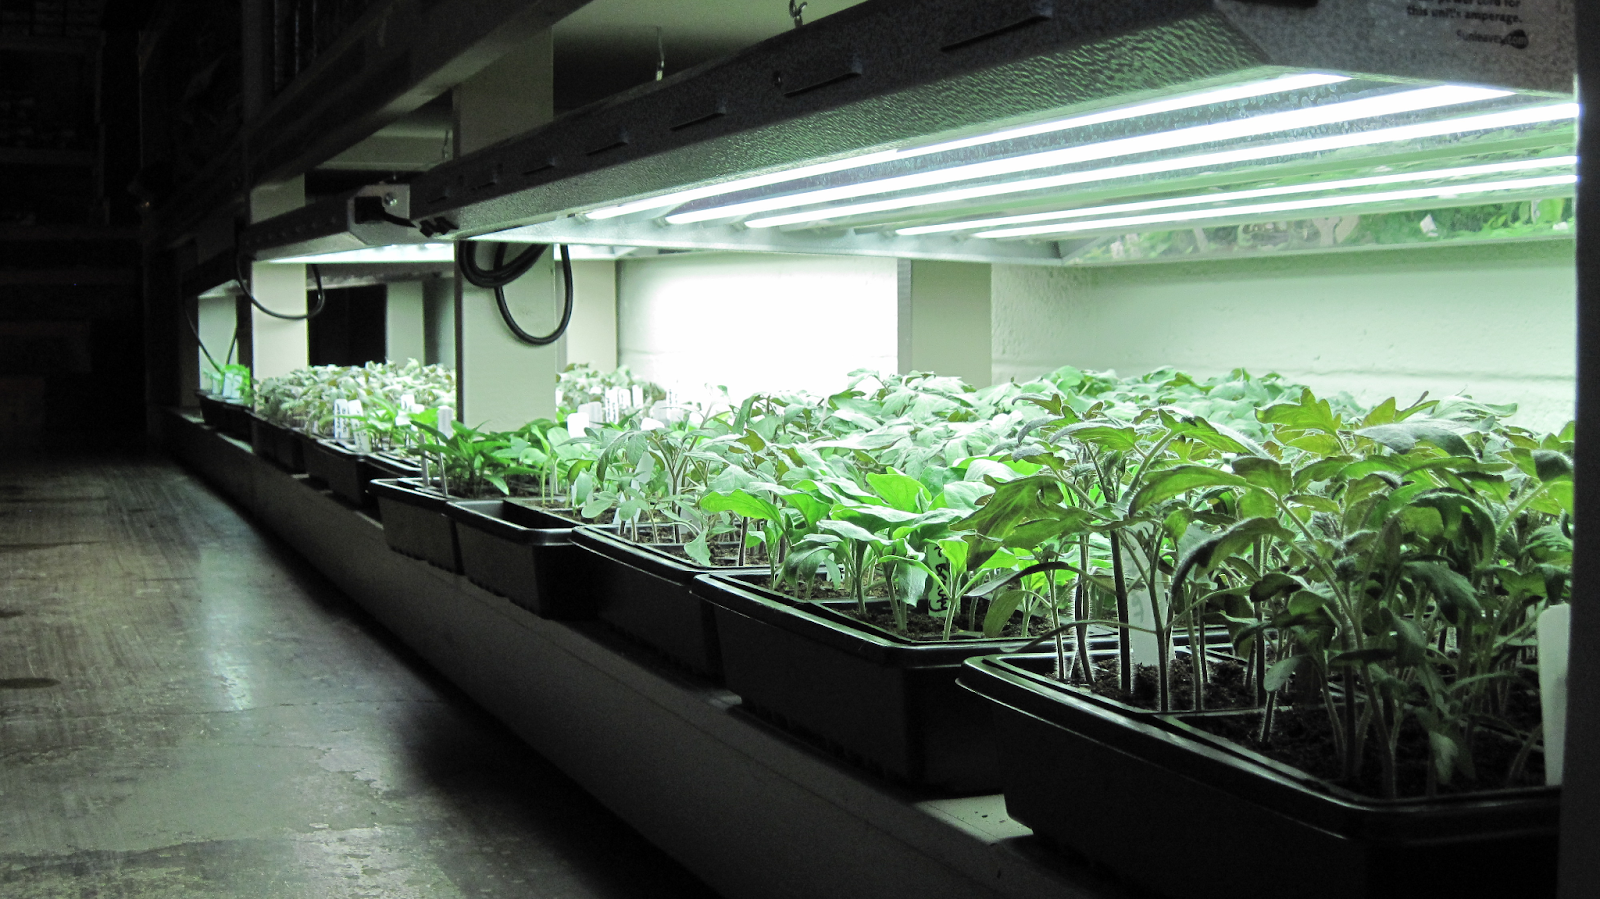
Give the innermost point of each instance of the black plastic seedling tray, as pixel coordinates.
(416, 522)
(525, 555)
(646, 593)
(1179, 811)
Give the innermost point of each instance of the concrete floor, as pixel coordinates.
(187, 709)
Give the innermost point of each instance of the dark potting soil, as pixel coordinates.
(1225, 686)
(1302, 737)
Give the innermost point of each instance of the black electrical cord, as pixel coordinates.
(322, 296)
(197, 339)
(232, 344)
(502, 273)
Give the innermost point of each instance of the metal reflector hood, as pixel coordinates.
(1036, 131)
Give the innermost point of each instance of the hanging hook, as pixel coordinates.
(796, 11)
(661, 55)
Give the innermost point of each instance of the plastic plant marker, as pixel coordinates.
(1146, 650)
(577, 424)
(1555, 636)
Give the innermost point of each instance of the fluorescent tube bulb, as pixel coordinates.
(1236, 92)
(1521, 165)
(405, 252)
(1420, 193)
(1488, 121)
(1231, 130)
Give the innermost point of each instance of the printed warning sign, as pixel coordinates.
(1513, 26)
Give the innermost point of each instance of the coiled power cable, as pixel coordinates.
(322, 296)
(502, 273)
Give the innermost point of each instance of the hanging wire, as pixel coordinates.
(197, 339)
(661, 56)
(233, 343)
(316, 272)
(797, 12)
(502, 273)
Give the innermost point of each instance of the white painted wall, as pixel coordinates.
(756, 322)
(1496, 323)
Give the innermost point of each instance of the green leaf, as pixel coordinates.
(1013, 503)
(698, 550)
(1000, 611)
(1320, 470)
(1275, 584)
(1411, 646)
(1101, 435)
(1268, 474)
(904, 493)
(1278, 675)
(877, 519)
(811, 507)
(1218, 437)
(1550, 465)
(955, 551)
(1362, 656)
(1257, 504)
(1310, 414)
(1305, 602)
(1449, 586)
(1315, 503)
(741, 503)
(1238, 538)
(1164, 485)
(963, 495)
(1030, 534)
(1316, 443)
(850, 531)
(1561, 493)
(1381, 414)
(1402, 437)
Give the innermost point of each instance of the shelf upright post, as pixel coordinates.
(1580, 789)
(278, 346)
(945, 319)
(501, 382)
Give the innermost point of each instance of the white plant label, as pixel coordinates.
(232, 385)
(577, 424)
(1555, 638)
(447, 421)
(1142, 644)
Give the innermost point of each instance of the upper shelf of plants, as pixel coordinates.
(1058, 133)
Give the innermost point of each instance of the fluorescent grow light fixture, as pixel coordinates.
(1521, 165)
(394, 253)
(1437, 191)
(1484, 122)
(1282, 84)
(1235, 129)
